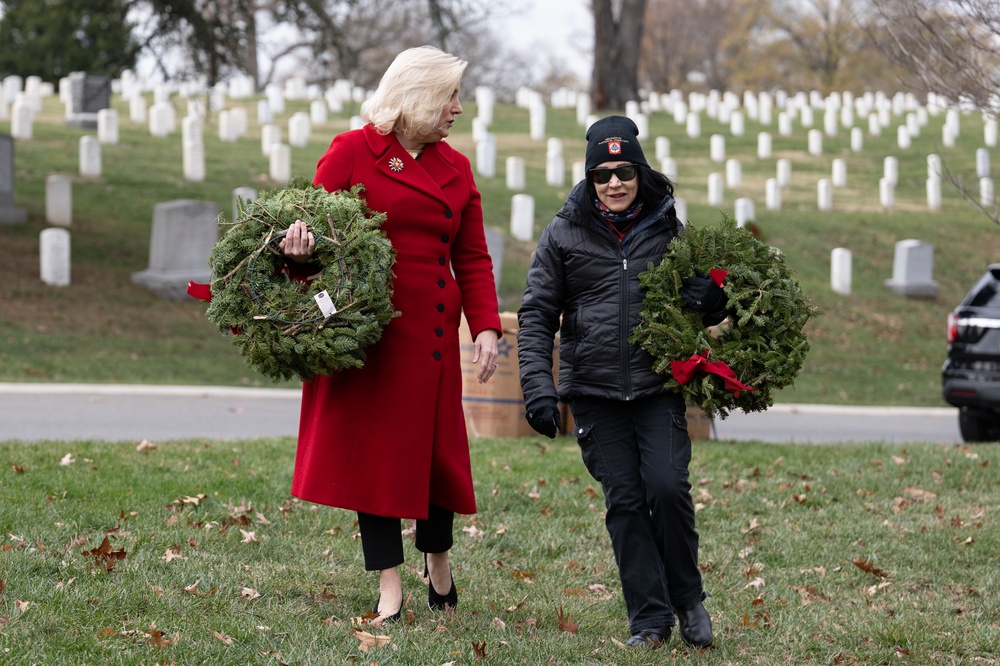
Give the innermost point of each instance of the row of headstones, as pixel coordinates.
(183, 235)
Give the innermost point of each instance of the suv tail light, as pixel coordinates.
(952, 331)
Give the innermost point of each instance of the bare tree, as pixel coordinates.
(617, 40)
(950, 48)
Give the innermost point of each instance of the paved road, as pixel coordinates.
(39, 412)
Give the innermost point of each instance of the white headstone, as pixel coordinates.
(890, 170)
(745, 213)
(934, 193)
(486, 156)
(183, 236)
(734, 174)
(583, 108)
(784, 172)
(840, 270)
(485, 101)
(990, 132)
(54, 256)
(244, 194)
(764, 146)
(681, 208)
(318, 112)
(887, 193)
(772, 192)
(522, 217)
(107, 126)
(58, 200)
(717, 150)
(693, 126)
(913, 269)
(668, 167)
(22, 120)
(815, 142)
(270, 136)
(514, 167)
(193, 158)
(662, 147)
(784, 123)
(982, 163)
(839, 175)
(555, 170)
(536, 119)
(986, 196)
(934, 166)
(715, 189)
(90, 157)
(299, 129)
(737, 125)
(857, 140)
(227, 128)
(903, 138)
(579, 171)
(824, 194)
(137, 109)
(264, 115)
(280, 163)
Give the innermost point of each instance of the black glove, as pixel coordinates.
(703, 295)
(543, 416)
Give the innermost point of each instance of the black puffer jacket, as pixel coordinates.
(581, 272)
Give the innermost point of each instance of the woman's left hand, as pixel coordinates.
(485, 354)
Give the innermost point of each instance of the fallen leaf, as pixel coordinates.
(22, 605)
(479, 650)
(369, 641)
(250, 593)
(18, 469)
(248, 537)
(918, 493)
(193, 587)
(67, 460)
(473, 531)
(222, 637)
(869, 567)
(566, 623)
(173, 553)
(145, 445)
(755, 584)
(499, 624)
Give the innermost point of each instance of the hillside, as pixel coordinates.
(872, 347)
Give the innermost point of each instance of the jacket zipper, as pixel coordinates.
(624, 335)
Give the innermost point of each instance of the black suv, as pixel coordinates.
(970, 378)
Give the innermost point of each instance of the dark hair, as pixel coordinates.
(654, 187)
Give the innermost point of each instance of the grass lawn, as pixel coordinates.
(858, 554)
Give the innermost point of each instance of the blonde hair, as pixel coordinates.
(412, 92)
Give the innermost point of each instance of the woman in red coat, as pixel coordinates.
(388, 440)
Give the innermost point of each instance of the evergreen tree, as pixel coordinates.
(51, 38)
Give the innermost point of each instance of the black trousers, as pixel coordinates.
(639, 451)
(382, 539)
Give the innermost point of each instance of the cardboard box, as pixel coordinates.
(699, 425)
(496, 408)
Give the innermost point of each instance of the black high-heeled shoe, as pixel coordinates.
(437, 601)
(388, 618)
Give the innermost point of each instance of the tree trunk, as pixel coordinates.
(616, 53)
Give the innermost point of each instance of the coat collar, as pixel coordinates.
(434, 171)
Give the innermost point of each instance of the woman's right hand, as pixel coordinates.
(298, 243)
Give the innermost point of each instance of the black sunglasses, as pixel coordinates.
(624, 173)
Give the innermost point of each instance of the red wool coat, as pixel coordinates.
(390, 437)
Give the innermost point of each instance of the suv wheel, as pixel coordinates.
(978, 426)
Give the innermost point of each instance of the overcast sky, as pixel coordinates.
(563, 27)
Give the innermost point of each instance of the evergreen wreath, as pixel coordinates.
(277, 323)
(764, 345)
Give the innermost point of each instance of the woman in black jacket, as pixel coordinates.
(584, 283)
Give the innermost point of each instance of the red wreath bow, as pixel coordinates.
(718, 275)
(683, 371)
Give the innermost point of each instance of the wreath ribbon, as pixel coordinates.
(683, 371)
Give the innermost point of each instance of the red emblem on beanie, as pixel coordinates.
(615, 148)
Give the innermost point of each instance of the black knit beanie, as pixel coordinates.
(613, 139)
